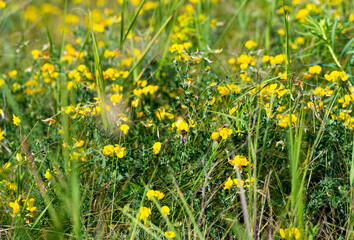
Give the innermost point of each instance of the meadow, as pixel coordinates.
(176, 119)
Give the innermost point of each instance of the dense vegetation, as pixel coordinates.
(185, 119)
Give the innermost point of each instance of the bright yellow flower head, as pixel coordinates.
(108, 150)
(47, 175)
(78, 144)
(225, 133)
(156, 148)
(228, 184)
(144, 213)
(251, 44)
(116, 98)
(124, 128)
(170, 234)
(316, 69)
(2, 4)
(215, 135)
(119, 151)
(150, 194)
(290, 233)
(239, 161)
(16, 120)
(15, 207)
(159, 195)
(285, 120)
(2, 135)
(165, 210)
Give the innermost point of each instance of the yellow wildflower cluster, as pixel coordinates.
(230, 182)
(151, 194)
(224, 90)
(251, 44)
(316, 69)
(245, 60)
(113, 74)
(181, 125)
(223, 132)
(336, 75)
(289, 233)
(274, 60)
(284, 120)
(110, 150)
(239, 161)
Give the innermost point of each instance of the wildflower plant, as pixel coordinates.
(203, 119)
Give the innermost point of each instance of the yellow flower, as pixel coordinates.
(108, 150)
(19, 157)
(2, 81)
(16, 120)
(285, 120)
(336, 75)
(281, 32)
(150, 194)
(301, 14)
(31, 207)
(232, 110)
(78, 144)
(237, 182)
(289, 233)
(316, 69)
(176, 48)
(2, 4)
(239, 161)
(47, 175)
(215, 135)
(120, 151)
(228, 184)
(124, 128)
(225, 133)
(12, 73)
(35, 53)
(156, 148)
(144, 213)
(2, 135)
(283, 75)
(170, 234)
(159, 195)
(15, 207)
(165, 210)
(116, 98)
(181, 125)
(251, 44)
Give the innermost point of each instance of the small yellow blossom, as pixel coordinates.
(165, 210)
(170, 234)
(124, 128)
(290, 233)
(225, 133)
(316, 69)
(15, 207)
(144, 213)
(119, 151)
(108, 150)
(2, 4)
(239, 160)
(16, 120)
(215, 135)
(251, 44)
(228, 184)
(156, 148)
(2, 134)
(150, 194)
